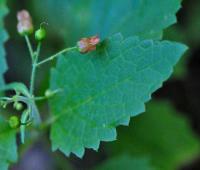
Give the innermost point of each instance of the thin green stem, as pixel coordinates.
(55, 55)
(6, 98)
(34, 66)
(29, 47)
(40, 98)
(53, 93)
(32, 79)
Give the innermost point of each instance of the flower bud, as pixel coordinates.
(14, 122)
(86, 45)
(18, 106)
(40, 34)
(48, 93)
(25, 25)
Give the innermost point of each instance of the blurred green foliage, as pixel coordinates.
(125, 162)
(85, 18)
(186, 30)
(160, 133)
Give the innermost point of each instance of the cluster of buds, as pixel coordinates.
(25, 25)
(86, 45)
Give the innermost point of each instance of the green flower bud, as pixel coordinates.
(18, 106)
(40, 34)
(48, 93)
(14, 122)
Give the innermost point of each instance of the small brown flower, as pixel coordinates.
(86, 45)
(25, 25)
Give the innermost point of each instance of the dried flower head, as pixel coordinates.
(23, 15)
(86, 45)
(25, 25)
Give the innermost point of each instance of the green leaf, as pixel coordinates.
(125, 162)
(75, 19)
(103, 89)
(160, 133)
(3, 39)
(18, 87)
(8, 147)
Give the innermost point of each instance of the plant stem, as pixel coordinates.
(53, 93)
(29, 47)
(32, 79)
(40, 98)
(55, 55)
(34, 66)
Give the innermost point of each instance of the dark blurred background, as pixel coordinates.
(182, 90)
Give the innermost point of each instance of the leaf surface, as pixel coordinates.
(103, 89)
